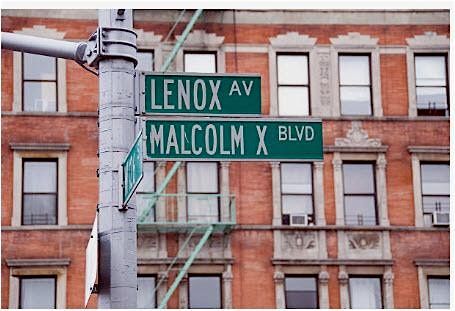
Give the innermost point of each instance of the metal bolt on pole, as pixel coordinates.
(117, 228)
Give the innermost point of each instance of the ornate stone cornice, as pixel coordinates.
(200, 38)
(41, 31)
(357, 137)
(147, 38)
(38, 262)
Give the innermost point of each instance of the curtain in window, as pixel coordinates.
(439, 292)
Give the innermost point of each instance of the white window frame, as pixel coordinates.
(44, 32)
(427, 43)
(294, 43)
(40, 151)
(201, 41)
(429, 268)
(386, 287)
(37, 267)
(355, 43)
(424, 154)
(322, 279)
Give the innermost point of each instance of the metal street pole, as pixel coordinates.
(117, 228)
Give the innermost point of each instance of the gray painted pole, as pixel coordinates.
(44, 46)
(117, 276)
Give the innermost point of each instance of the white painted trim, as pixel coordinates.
(148, 40)
(357, 43)
(62, 183)
(423, 272)
(416, 158)
(39, 31)
(293, 42)
(429, 42)
(59, 272)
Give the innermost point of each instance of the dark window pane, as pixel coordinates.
(296, 178)
(439, 292)
(204, 292)
(145, 61)
(146, 292)
(355, 100)
(39, 209)
(198, 62)
(354, 70)
(359, 210)
(37, 293)
(40, 176)
(40, 96)
(430, 70)
(358, 178)
(435, 179)
(365, 293)
(292, 69)
(38, 67)
(301, 292)
(293, 101)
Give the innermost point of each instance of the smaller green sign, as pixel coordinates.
(132, 169)
(186, 93)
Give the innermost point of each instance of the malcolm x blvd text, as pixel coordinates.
(233, 139)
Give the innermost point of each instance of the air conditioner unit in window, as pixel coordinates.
(299, 219)
(441, 218)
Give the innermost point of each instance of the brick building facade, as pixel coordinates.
(374, 230)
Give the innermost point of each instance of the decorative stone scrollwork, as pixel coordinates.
(354, 39)
(202, 38)
(323, 277)
(292, 39)
(324, 78)
(343, 277)
(278, 276)
(367, 240)
(298, 240)
(388, 277)
(357, 137)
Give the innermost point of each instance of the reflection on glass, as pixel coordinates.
(293, 101)
(365, 293)
(38, 67)
(204, 292)
(292, 69)
(37, 293)
(301, 293)
(146, 292)
(430, 70)
(40, 96)
(144, 61)
(198, 62)
(354, 70)
(355, 100)
(439, 292)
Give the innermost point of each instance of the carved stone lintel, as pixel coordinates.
(357, 137)
(429, 39)
(203, 39)
(354, 39)
(292, 39)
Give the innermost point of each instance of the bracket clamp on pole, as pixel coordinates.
(111, 42)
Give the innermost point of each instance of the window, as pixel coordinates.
(293, 85)
(145, 60)
(435, 192)
(146, 292)
(204, 62)
(37, 292)
(296, 194)
(39, 196)
(204, 292)
(203, 190)
(359, 194)
(301, 292)
(431, 85)
(365, 292)
(145, 188)
(439, 292)
(355, 84)
(39, 83)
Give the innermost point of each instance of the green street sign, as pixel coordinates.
(233, 139)
(132, 169)
(197, 93)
